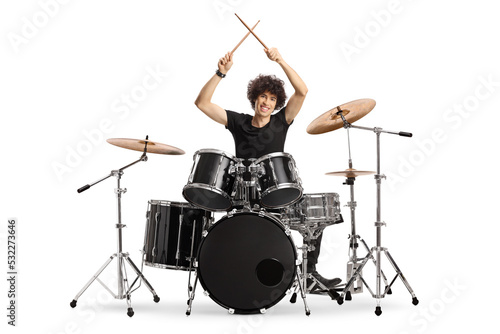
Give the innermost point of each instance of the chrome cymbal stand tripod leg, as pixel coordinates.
(355, 279)
(378, 249)
(124, 290)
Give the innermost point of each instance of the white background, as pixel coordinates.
(67, 66)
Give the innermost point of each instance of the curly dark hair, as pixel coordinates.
(268, 83)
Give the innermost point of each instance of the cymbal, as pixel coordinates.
(350, 172)
(138, 145)
(330, 120)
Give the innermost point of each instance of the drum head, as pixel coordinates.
(207, 198)
(281, 197)
(246, 262)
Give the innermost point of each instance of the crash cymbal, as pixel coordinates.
(138, 145)
(350, 172)
(330, 120)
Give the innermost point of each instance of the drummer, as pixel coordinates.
(263, 132)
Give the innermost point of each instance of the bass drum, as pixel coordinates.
(246, 262)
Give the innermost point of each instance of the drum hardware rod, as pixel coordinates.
(191, 257)
(302, 288)
(214, 182)
(375, 252)
(191, 293)
(276, 181)
(124, 290)
(178, 251)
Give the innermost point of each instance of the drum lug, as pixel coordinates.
(204, 234)
(231, 311)
(287, 231)
(263, 310)
(231, 213)
(262, 213)
(206, 293)
(261, 169)
(232, 168)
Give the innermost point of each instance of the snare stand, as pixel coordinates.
(310, 235)
(120, 256)
(376, 251)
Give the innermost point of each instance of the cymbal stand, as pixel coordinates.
(124, 290)
(354, 262)
(376, 251)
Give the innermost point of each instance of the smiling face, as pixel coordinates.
(265, 104)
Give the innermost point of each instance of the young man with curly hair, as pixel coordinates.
(263, 132)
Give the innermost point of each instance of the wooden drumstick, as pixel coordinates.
(248, 33)
(250, 30)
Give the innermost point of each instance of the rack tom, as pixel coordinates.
(278, 181)
(211, 181)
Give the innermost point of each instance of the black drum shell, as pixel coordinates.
(279, 183)
(162, 240)
(211, 182)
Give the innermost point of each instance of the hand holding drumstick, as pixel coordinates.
(273, 54)
(225, 63)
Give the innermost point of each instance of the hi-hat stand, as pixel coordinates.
(375, 252)
(124, 290)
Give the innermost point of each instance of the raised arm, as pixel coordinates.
(204, 99)
(297, 99)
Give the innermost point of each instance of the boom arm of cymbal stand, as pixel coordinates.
(117, 171)
(380, 130)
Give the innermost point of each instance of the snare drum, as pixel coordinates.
(313, 209)
(173, 234)
(211, 181)
(246, 262)
(279, 182)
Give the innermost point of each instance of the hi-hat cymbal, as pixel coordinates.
(331, 120)
(138, 145)
(350, 172)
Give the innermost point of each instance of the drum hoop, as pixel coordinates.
(273, 155)
(334, 195)
(214, 151)
(166, 266)
(216, 190)
(283, 186)
(213, 189)
(258, 213)
(174, 204)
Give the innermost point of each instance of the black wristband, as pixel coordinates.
(219, 73)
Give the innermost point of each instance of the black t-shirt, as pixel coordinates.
(253, 142)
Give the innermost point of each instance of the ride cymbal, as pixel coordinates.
(331, 120)
(152, 147)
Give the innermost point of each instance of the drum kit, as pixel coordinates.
(247, 261)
